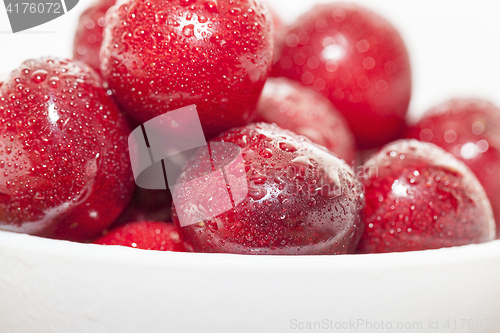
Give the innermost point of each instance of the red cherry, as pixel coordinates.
(358, 60)
(302, 110)
(470, 130)
(159, 56)
(64, 164)
(420, 197)
(88, 37)
(300, 199)
(146, 235)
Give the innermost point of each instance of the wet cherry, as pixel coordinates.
(292, 106)
(358, 60)
(162, 55)
(470, 130)
(297, 197)
(420, 197)
(64, 164)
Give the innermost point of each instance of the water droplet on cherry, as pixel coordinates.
(266, 153)
(188, 30)
(202, 19)
(211, 6)
(257, 193)
(235, 11)
(54, 82)
(39, 76)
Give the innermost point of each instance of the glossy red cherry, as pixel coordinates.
(292, 106)
(420, 197)
(297, 197)
(64, 164)
(470, 130)
(159, 56)
(358, 60)
(146, 235)
(88, 37)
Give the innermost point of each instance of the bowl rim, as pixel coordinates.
(19, 245)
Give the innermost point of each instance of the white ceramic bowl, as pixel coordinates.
(57, 286)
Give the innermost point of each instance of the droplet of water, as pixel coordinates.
(286, 146)
(257, 193)
(39, 76)
(161, 16)
(211, 6)
(282, 198)
(140, 32)
(186, 3)
(202, 19)
(258, 178)
(54, 82)
(279, 180)
(213, 225)
(235, 11)
(217, 38)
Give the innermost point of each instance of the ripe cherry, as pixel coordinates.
(292, 196)
(64, 164)
(470, 130)
(358, 60)
(420, 197)
(159, 56)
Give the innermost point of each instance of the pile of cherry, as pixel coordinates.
(341, 87)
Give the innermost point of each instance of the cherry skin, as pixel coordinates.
(88, 37)
(159, 56)
(420, 197)
(65, 169)
(470, 130)
(358, 60)
(304, 111)
(300, 200)
(146, 235)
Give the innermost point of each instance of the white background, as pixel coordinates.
(454, 44)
